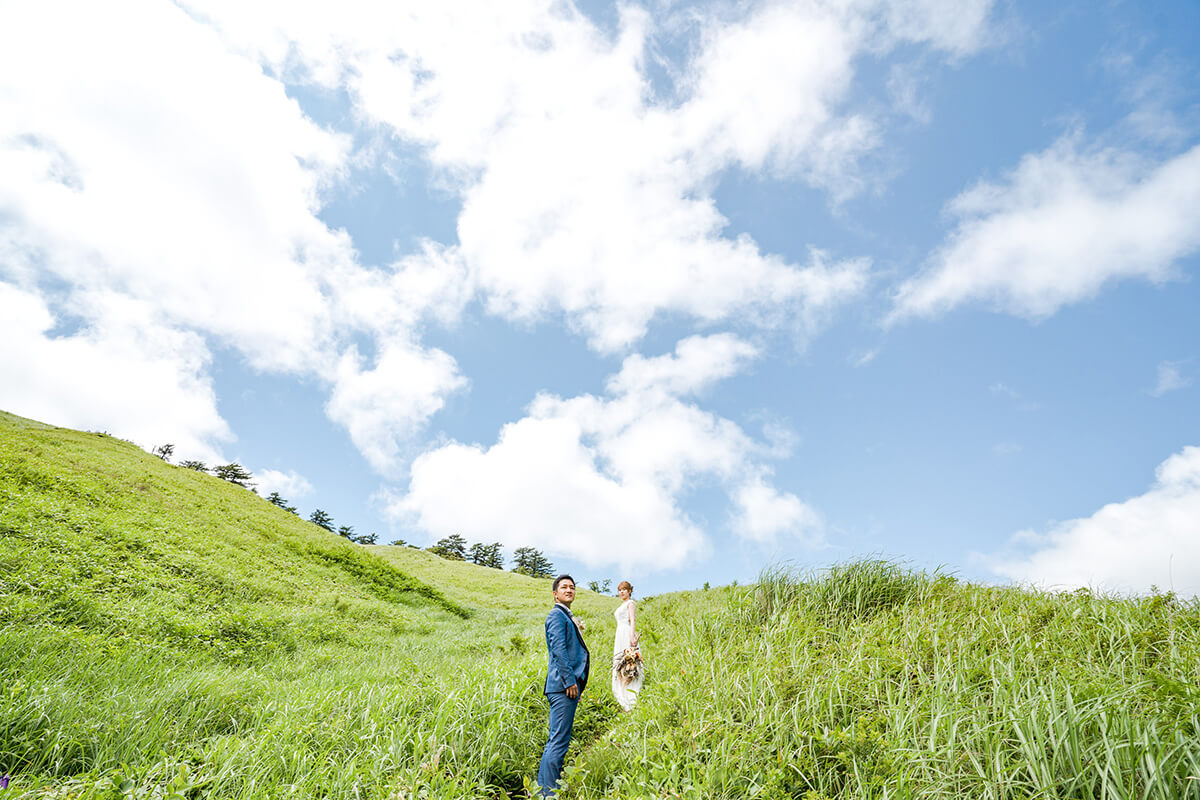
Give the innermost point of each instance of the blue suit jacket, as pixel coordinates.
(569, 656)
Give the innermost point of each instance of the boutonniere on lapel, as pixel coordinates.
(578, 623)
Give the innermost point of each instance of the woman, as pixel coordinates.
(628, 670)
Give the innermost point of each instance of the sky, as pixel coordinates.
(673, 292)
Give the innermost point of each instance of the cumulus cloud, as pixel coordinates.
(764, 513)
(124, 373)
(145, 161)
(582, 190)
(540, 485)
(290, 484)
(151, 152)
(599, 207)
(1064, 224)
(696, 363)
(600, 479)
(193, 189)
(380, 405)
(1149, 540)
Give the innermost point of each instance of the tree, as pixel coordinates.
(274, 498)
(234, 473)
(346, 531)
(601, 587)
(398, 543)
(531, 561)
(321, 519)
(199, 466)
(367, 538)
(164, 451)
(453, 547)
(486, 555)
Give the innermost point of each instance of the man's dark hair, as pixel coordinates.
(560, 579)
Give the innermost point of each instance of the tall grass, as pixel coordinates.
(164, 635)
(870, 681)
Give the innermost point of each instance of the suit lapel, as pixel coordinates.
(571, 624)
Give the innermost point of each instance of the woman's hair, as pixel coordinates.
(625, 585)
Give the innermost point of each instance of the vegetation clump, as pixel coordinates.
(165, 634)
(868, 680)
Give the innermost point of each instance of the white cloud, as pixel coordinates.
(583, 191)
(124, 373)
(144, 160)
(958, 28)
(764, 513)
(539, 485)
(697, 362)
(429, 284)
(861, 358)
(131, 167)
(290, 484)
(151, 153)
(598, 205)
(1064, 224)
(904, 85)
(600, 479)
(381, 405)
(1151, 539)
(1169, 379)
(767, 91)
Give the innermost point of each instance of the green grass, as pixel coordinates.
(159, 627)
(164, 634)
(868, 681)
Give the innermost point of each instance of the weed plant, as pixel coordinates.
(870, 681)
(167, 635)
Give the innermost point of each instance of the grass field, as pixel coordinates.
(164, 634)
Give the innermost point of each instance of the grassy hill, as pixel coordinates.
(158, 624)
(165, 634)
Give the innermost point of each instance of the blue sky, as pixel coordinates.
(670, 291)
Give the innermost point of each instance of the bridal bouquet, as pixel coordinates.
(629, 664)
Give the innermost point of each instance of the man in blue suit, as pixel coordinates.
(565, 679)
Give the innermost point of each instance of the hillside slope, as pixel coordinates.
(166, 635)
(158, 618)
(106, 538)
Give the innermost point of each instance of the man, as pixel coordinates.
(566, 676)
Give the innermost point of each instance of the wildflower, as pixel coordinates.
(4, 782)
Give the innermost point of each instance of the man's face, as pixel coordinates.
(565, 593)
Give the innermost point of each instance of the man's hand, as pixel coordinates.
(573, 691)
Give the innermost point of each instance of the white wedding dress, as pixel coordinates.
(626, 693)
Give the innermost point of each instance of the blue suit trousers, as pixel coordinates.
(562, 720)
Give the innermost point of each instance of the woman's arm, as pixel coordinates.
(633, 637)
